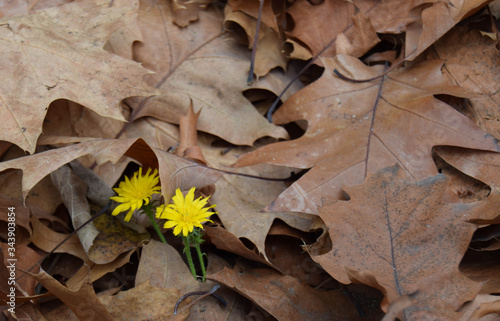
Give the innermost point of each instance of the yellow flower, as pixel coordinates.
(185, 214)
(134, 193)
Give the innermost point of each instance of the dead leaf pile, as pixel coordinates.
(373, 194)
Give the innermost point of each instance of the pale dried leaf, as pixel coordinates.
(70, 37)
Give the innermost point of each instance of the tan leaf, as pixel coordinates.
(286, 298)
(251, 8)
(186, 11)
(481, 165)
(336, 17)
(70, 37)
(226, 241)
(472, 62)
(24, 258)
(83, 301)
(240, 201)
(423, 23)
(47, 239)
(269, 49)
(352, 130)
(175, 172)
(400, 233)
(210, 68)
(143, 302)
(105, 238)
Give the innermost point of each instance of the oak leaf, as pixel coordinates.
(69, 38)
(174, 171)
(284, 297)
(209, 67)
(83, 301)
(357, 22)
(398, 235)
(354, 128)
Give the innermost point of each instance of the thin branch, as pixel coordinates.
(254, 48)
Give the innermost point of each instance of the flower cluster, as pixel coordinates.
(185, 215)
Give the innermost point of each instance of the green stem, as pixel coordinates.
(149, 213)
(202, 263)
(187, 251)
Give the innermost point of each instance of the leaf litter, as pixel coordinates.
(360, 199)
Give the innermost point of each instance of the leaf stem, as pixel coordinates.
(149, 213)
(202, 264)
(187, 251)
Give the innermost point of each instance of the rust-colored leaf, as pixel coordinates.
(286, 298)
(82, 301)
(400, 234)
(352, 130)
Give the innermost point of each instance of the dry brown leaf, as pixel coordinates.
(174, 171)
(349, 21)
(269, 51)
(83, 301)
(186, 11)
(24, 257)
(472, 62)
(434, 21)
(143, 302)
(70, 37)
(483, 308)
(73, 192)
(240, 201)
(226, 241)
(21, 219)
(47, 239)
(163, 267)
(99, 270)
(251, 8)
(105, 238)
(188, 137)
(208, 67)
(317, 25)
(400, 233)
(481, 165)
(286, 298)
(340, 143)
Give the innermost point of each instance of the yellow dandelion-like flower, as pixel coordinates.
(185, 213)
(136, 192)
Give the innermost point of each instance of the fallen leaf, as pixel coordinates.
(226, 241)
(71, 37)
(352, 129)
(143, 302)
(336, 19)
(286, 298)
(240, 201)
(186, 11)
(483, 308)
(472, 62)
(210, 68)
(174, 171)
(82, 301)
(399, 233)
(269, 50)
(422, 24)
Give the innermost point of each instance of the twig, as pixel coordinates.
(203, 294)
(66, 238)
(254, 48)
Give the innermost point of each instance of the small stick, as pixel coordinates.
(67, 238)
(203, 294)
(254, 48)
